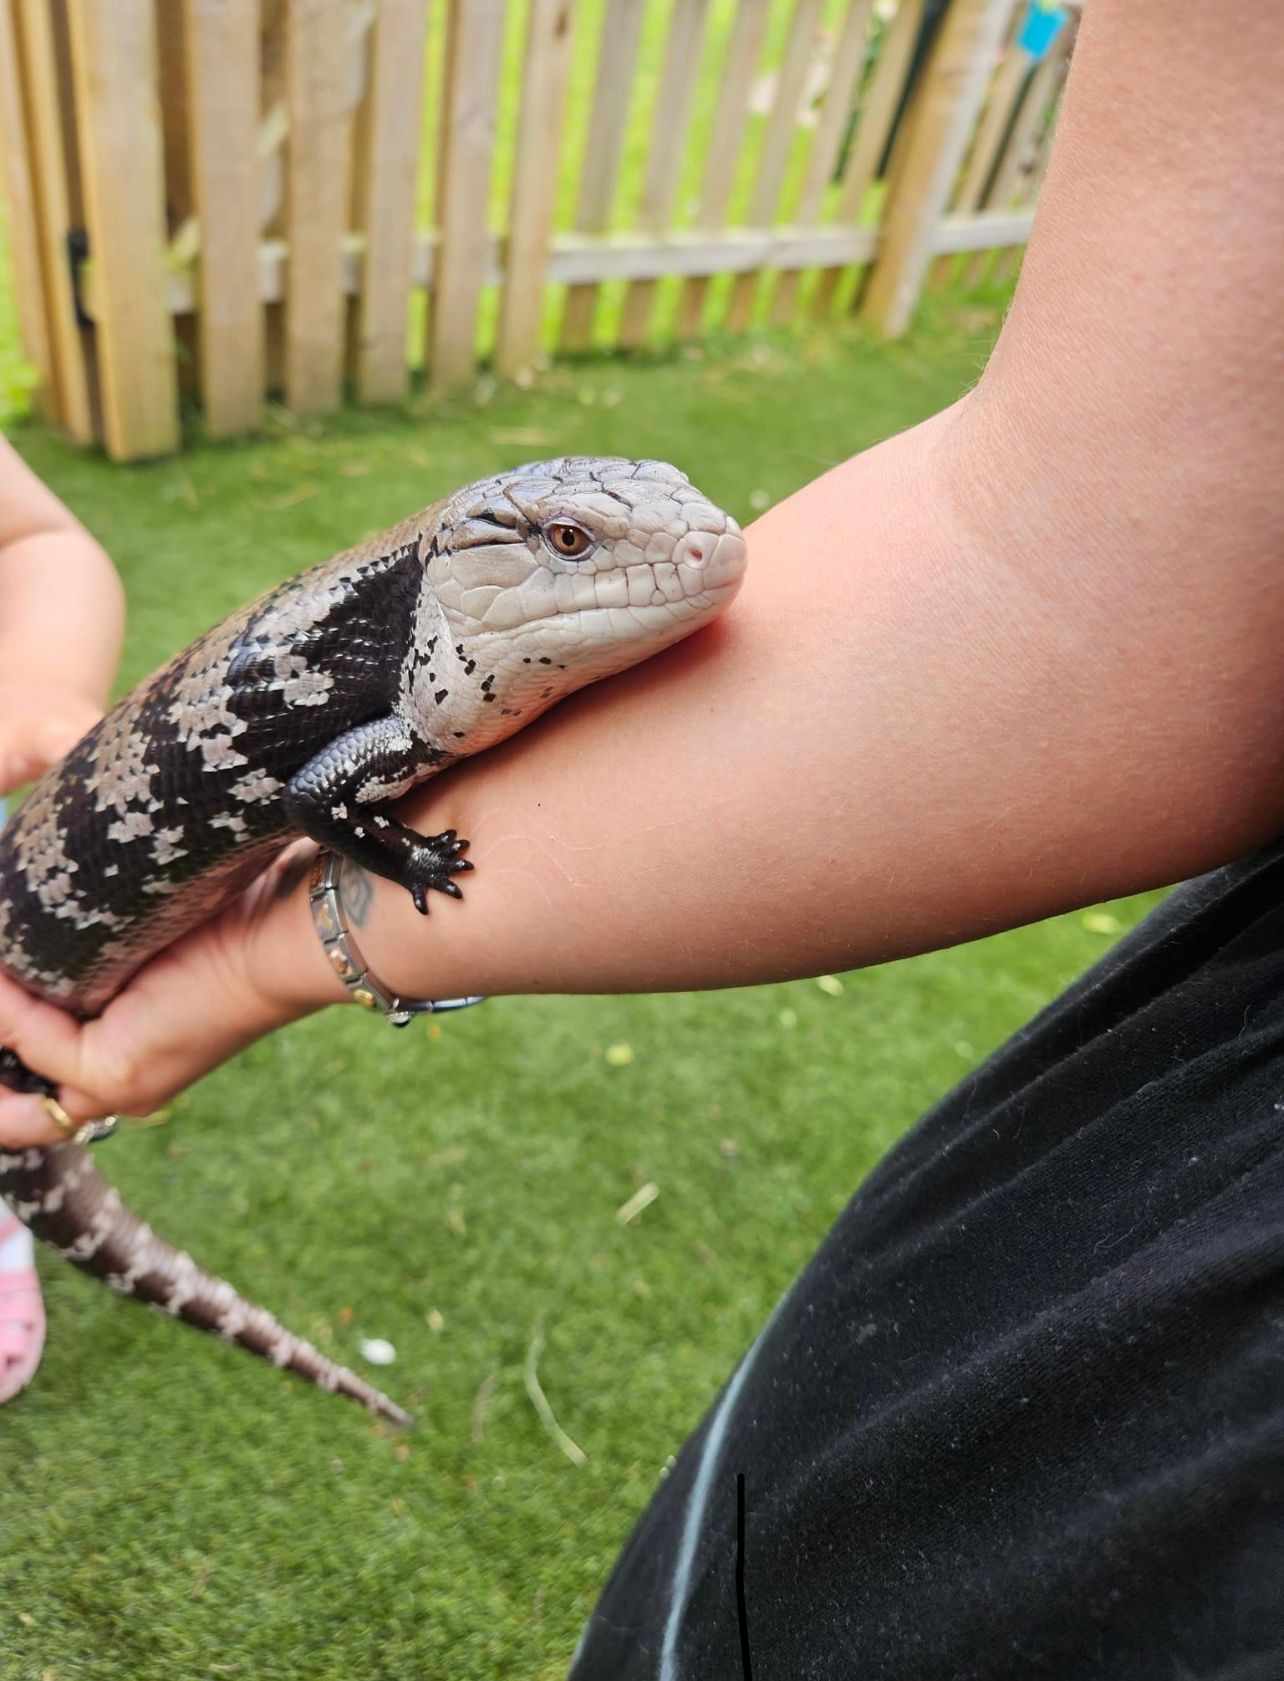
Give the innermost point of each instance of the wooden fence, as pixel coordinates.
(226, 199)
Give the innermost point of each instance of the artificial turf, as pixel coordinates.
(172, 1509)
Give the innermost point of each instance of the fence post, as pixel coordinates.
(223, 102)
(844, 74)
(24, 242)
(470, 94)
(874, 123)
(114, 66)
(534, 195)
(670, 121)
(939, 125)
(1017, 153)
(1048, 83)
(725, 146)
(316, 79)
(386, 199)
(996, 119)
(49, 182)
(613, 87)
(782, 125)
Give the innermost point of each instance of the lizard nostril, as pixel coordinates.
(696, 551)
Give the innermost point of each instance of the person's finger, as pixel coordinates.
(60, 732)
(14, 772)
(20, 762)
(28, 747)
(48, 1041)
(46, 1038)
(25, 1121)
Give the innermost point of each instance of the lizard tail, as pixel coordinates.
(67, 1203)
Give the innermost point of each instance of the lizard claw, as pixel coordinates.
(432, 864)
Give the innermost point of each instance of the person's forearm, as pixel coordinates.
(783, 794)
(901, 738)
(62, 608)
(62, 614)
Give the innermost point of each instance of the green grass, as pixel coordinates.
(170, 1508)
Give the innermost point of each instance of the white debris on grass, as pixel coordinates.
(1101, 922)
(540, 1401)
(642, 1198)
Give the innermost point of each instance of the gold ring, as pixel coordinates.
(79, 1132)
(59, 1116)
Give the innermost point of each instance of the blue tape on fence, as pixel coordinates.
(1041, 27)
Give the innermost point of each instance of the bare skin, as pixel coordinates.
(62, 615)
(1020, 658)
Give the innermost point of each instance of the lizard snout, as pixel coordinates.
(712, 559)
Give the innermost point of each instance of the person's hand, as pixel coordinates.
(253, 968)
(38, 724)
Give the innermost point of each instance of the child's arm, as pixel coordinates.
(62, 615)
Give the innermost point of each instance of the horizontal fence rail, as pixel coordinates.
(297, 198)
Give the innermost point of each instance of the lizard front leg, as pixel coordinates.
(340, 796)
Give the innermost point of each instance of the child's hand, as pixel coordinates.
(37, 726)
(253, 968)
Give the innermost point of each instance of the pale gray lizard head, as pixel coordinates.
(553, 575)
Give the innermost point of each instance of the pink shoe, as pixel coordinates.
(22, 1319)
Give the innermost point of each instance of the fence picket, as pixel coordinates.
(849, 57)
(782, 127)
(385, 192)
(613, 83)
(874, 125)
(1018, 154)
(669, 124)
(996, 117)
(471, 93)
(729, 124)
(24, 238)
(223, 102)
(947, 105)
(1007, 187)
(534, 195)
(1007, 258)
(113, 44)
(53, 218)
(316, 80)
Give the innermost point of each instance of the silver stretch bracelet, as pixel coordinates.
(345, 954)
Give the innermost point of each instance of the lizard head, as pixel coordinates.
(553, 575)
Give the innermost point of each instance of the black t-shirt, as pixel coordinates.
(1023, 1414)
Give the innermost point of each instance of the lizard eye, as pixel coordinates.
(572, 542)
